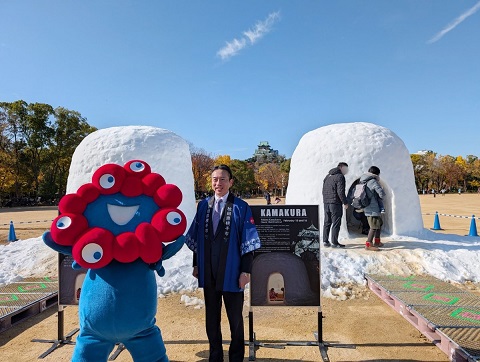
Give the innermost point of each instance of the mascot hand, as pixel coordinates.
(76, 266)
(168, 251)
(158, 267)
(47, 239)
(173, 248)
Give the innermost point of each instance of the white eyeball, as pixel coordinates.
(64, 222)
(137, 167)
(174, 218)
(92, 253)
(107, 181)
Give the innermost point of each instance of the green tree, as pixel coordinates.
(37, 133)
(244, 177)
(68, 130)
(36, 146)
(12, 116)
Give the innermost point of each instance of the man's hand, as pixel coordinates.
(195, 272)
(243, 280)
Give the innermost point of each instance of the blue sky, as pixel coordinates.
(225, 75)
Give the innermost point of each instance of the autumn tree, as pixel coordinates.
(202, 165)
(223, 160)
(473, 171)
(269, 177)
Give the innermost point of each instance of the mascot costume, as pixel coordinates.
(116, 227)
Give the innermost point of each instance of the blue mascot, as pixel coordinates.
(120, 227)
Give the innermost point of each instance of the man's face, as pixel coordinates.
(344, 170)
(221, 182)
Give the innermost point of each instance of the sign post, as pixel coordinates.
(286, 269)
(65, 274)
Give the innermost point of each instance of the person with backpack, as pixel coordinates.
(333, 198)
(357, 212)
(374, 206)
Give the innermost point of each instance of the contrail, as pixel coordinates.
(455, 23)
(250, 36)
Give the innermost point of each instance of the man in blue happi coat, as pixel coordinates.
(223, 237)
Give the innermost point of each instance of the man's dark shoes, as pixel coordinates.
(338, 245)
(327, 245)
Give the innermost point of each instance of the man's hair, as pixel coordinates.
(375, 170)
(225, 168)
(342, 164)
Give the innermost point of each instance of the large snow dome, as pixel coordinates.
(167, 154)
(361, 145)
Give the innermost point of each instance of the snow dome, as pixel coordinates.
(167, 154)
(360, 145)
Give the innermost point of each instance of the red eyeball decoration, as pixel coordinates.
(95, 247)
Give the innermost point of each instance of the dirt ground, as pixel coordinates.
(377, 332)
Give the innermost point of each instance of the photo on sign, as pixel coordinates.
(286, 269)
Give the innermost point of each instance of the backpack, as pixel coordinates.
(360, 196)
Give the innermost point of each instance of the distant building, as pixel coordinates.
(265, 153)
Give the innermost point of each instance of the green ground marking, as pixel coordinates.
(418, 286)
(396, 277)
(441, 298)
(51, 280)
(8, 298)
(466, 315)
(30, 287)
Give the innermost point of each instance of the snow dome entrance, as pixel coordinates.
(276, 289)
(357, 223)
(360, 145)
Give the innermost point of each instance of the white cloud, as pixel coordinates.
(250, 37)
(232, 48)
(455, 23)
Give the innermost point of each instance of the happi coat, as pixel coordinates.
(239, 237)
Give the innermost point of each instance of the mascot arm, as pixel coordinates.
(168, 251)
(173, 248)
(67, 250)
(47, 239)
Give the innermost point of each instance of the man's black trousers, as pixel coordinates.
(333, 220)
(213, 310)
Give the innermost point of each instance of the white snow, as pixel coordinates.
(197, 303)
(360, 145)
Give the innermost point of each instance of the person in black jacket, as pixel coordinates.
(333, 198)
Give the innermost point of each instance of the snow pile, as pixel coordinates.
(452, 259)
(361, 145)
(25, 258)
(178, 274)
(192, 301)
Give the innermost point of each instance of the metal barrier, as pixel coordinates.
(448, 316)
